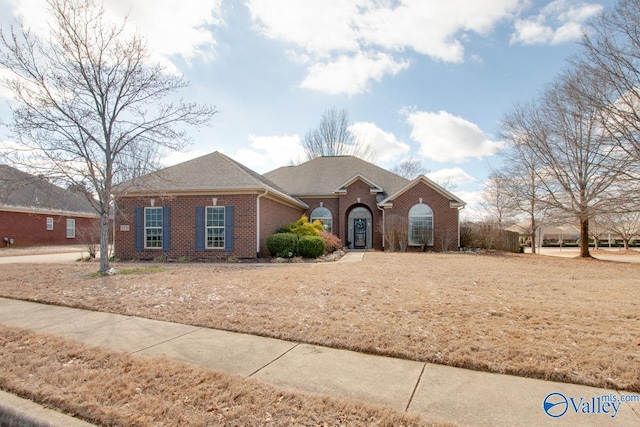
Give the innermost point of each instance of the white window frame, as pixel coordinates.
(326, 220)
(415, 219)
(71, 228)
(152, 231)
(49, 223)
(210, 229)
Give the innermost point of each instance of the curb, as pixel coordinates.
(18, 412)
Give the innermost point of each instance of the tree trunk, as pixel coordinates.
(104, 242)
(584, 238)
(533, 236)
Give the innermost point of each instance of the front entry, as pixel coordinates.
(360, 233)
(359, 228)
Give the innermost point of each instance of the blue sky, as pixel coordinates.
(420, 78)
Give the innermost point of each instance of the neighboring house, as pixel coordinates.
(34, 212)
(213, 207)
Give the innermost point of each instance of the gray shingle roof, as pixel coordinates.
(22, 190)
(323, 175)
(211, 172)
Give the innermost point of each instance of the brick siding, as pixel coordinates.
(30, 229)
(274, 215)
(183, 225)
(445, 218)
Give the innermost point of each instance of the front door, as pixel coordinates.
(359, 233)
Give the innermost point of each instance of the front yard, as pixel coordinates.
(559, 319)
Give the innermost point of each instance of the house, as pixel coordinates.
(358, 201)
(214, 207)
(35, 212)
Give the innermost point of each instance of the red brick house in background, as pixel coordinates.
(34, 212)
(213, 207)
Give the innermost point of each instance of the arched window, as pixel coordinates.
(324, 215)
(420, 225)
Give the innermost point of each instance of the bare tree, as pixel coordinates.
(333, 137)
(90, 108)
(626, 224)
(521, 169)
(580, 168)
(396, 233)
(612, 51)
(596, 231)
(497, 200)
(410, 168)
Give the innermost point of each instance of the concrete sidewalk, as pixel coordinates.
(439, 393)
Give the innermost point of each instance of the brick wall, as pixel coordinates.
(344, 203)
(274, 215)
(183, 225)
(30, 229)
(362, 190)
(445, 218)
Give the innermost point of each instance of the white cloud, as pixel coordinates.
(315, 26)
(384, 145)
(558, 22)
(351, 75)
(452, 176)
(268, 152)
(473, 211)
(171, 27)
(337, 34)
(434, 28)
(444, 137)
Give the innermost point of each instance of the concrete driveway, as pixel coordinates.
(605, 254)
(43, 255)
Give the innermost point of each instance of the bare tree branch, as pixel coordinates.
(333, 137)
(90, 108)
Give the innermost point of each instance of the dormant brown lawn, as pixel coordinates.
(560, 319)
(109, 388)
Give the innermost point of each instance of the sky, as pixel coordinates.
(422, 79)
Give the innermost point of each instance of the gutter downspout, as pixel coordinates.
(383, 225)
(266, 191)
(459, 209)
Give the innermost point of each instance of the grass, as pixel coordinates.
(109, 388)
(559, 319)
(126, 271)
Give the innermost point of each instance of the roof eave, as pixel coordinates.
(226, 191)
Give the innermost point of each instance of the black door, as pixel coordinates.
(359, 233)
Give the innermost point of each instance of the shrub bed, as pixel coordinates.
(281, 244)
(310, 246)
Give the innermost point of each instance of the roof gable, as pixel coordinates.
(211, 172)
(375, 188)
(454, 202)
